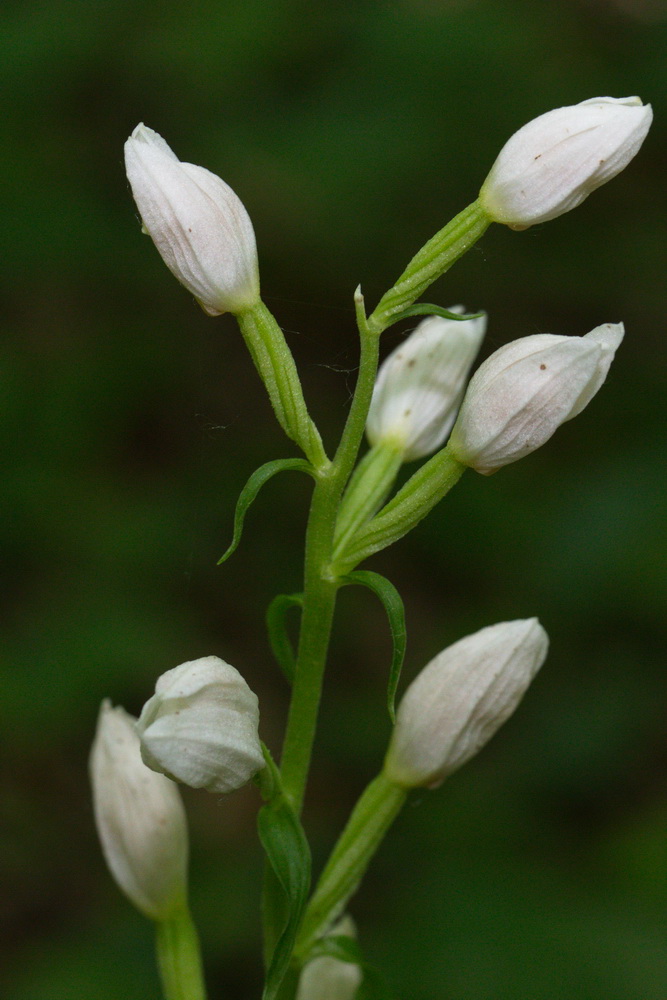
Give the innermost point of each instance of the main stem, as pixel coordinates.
(320, 584)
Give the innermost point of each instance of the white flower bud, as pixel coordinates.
(328, 978)
(554, 162)
(198, 224)
(456, 704)
(524, 391)
(200, 726)
(139, 816)
(420, 384)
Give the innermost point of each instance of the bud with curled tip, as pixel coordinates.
(200, 726)
(198, 224)
(456, 704)
(329, 978)
(524, 391)
(139, 816)
(555, 161)
(420, 385)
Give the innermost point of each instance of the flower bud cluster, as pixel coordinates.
(199, 728)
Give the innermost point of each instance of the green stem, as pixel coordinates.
(277, 370)
(368, 488)
(372, 816)
(413, 502)
(434, 258)
(319, 598)
(320, 585)
(179, 957)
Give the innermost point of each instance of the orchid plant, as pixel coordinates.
(201, 727)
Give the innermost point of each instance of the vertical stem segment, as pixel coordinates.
(179, 957)
(320, 585)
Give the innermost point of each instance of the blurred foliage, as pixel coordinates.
(129, 422)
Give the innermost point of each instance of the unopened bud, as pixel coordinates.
(329, 978)
(555, 161)
(198, 224)
(456, 704)
(139, 816)
(524, 391)
(200, 726)
(420, 385)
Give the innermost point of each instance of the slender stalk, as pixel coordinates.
(274, 362)
(319, 598)
(429, 263)
(179, 957)
(369, 486)
(426, 488)
(376, 810)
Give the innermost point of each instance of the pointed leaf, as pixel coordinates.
(425, 309)
(252, 488)
(393, 605)
(279, 640)
(288, 853)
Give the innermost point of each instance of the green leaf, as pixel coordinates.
(425, 309)
(288, 853)
(252, 488)
(279, 640)
(393, 605)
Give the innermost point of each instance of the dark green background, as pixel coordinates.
(352, 131)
